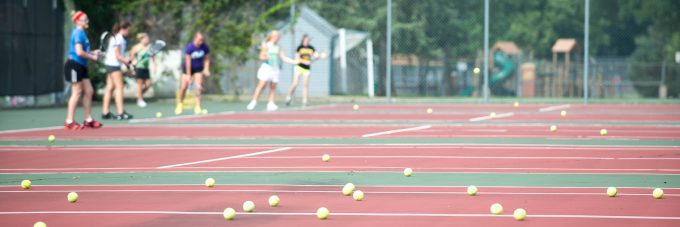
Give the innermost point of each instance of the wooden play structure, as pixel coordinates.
(564, 82)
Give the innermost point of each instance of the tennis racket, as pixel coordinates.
(156, 47)
(103, 39)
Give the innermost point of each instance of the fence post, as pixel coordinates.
(585, 50)
(369, 67)
(486, 51)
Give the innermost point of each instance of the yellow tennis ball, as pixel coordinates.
(553, 128)
(358, 195)
(355, 107)
(496, 208)
(72, 197)
(611, 191)
(248, 206)
(325, 158)
(274, 200)
(229, 213)
(472, 190)
(40, 224)
(657, 193)
(429, 110)
(493, 114)
(322, 213)
(159, 114)
(516, 104)
(210, 182)
(476, 70)
(26, 184)
(603, 132)
(408, 172)
(519, 214)
(348, 189)
(563, 113)
(51, 138)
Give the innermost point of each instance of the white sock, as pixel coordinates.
(89, 119)
(69, 121)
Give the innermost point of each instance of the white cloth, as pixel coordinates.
(117, 40)
(268, 73)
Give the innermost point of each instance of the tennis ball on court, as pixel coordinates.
(358, 195)
(496, 208)
(408, 172)
(210, 182)
(322, 213)
(519, 214)
(516, 104)
(248, 206)
(429, 110)
(603, 132)
(348, 189)
(40, 224)
(355, 107)
(26, 184)
(553, 128)
(657, 193)
(159, 114)
(72, 197)
(563, 113)
(274, 200)
(325, 158)
(229, 213)
(611, 191)
(472, 190)
(493, 114)
(204, 111)
(51, 138)
(476, 70)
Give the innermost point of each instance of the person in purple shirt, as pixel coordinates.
(196, 64)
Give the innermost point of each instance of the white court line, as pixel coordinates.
(347, 214)
(330, 191)
(332, 186)
(30, 129)
(396, 131)
(483, 118)
(460, 157)
(551, 108)
(334, 147)
(179, 117)
(225, 158)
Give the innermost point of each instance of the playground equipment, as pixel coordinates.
(563, 82)
(502, 53)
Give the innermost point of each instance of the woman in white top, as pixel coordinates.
(115, 56)
(270, 70)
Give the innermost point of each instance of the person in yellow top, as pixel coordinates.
(304, 56)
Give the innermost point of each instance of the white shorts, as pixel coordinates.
(268, 73)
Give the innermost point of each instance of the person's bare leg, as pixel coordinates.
(108, 91)
(305, 89)
(140, 88)
(198, 87)
(88, 92)
(272, 92)
(294, 85)
(117, 78)
(76, 92)
(258, 89)
(184, 84)
(147, 85)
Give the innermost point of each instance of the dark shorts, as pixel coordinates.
(110, 69)
(75, 72)
(142, 74)
(193, 70)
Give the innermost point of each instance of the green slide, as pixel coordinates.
(507, 70)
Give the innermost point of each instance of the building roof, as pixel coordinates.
(507, 47)
(564, 45)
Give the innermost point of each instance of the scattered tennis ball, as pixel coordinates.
(26, 184)
(355, 107)
(229, 213)
(325, 158)
(472, 190)
(274, 200)
(476, 70)
(322, 213)
(611, 191)
(553, 128)
(159, 114)
(210, 182)
(603, 132)
(657, 193)
(40, 224)
(408, 172)
(51, 138)
(248, 206)
(204, 111)
(519, 214)
(516, 104)
(496, 208)
(492, 115)
(358, 195)
(563, 113)
(72, 197)
(429, 110)
(348, 189)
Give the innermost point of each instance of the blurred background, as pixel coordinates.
(431, 48)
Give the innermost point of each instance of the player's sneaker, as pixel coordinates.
(251, 105)
(141, 103)
(108, 116)
(272, 107)
(179, 108)
(198, 110)
(73, 126)
(92, 124)
(288, 100)
(124, 116)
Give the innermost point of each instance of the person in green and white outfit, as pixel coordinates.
(270, 70)
(142, 61)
